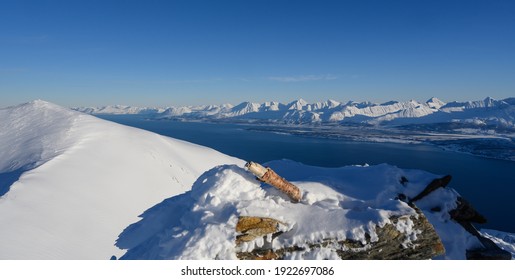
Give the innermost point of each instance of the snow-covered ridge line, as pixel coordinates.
(118, 110)
(71, 182)
(483, 112)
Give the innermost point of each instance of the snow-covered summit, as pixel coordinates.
(33, 134)
(297, 105)
(243, 109)
(435, 103)
(70, 182)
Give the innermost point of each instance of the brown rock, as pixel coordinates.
(464, 212)
(254, 227)
(431, 187)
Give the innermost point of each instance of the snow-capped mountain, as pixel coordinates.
(70, 182)
(118, 110)
(483, 112)
(435, 103)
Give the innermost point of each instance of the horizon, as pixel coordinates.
(250, 101)
(188, 53)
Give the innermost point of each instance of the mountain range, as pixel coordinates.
(487, 112)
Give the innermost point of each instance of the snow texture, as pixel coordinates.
(339, 203)
(72, 182)
(72, 185)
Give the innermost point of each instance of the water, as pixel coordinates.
(487, 183)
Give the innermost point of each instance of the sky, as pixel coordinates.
(168, 53)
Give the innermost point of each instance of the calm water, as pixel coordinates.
(488, 184)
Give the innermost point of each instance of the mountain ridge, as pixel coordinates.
(488, 110)
(71, 182)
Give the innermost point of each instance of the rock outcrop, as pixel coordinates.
(392, 243)
(352, 212)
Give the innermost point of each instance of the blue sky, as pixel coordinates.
(160, 53)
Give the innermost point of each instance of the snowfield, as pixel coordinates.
(72, 182)
(73, 186)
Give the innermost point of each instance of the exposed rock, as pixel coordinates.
(464, 212)
(465, 215)
(404, 181)
(391, 244)
(254, 227)
(435, 184)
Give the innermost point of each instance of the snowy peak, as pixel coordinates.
(70, 182)
(176, 111)
(244, 108)
(272, 106)
(35, 132)
(329, 104)
(332, 104)
(118, 110)
(435, 103)
(38, 104)
(297, 105)
(489, 110)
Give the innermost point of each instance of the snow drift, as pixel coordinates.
(340, 203)
(70, 182)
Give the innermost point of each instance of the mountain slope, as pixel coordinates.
(74, 182)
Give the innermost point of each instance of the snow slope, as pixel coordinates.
(343, 203)
(72, 182)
